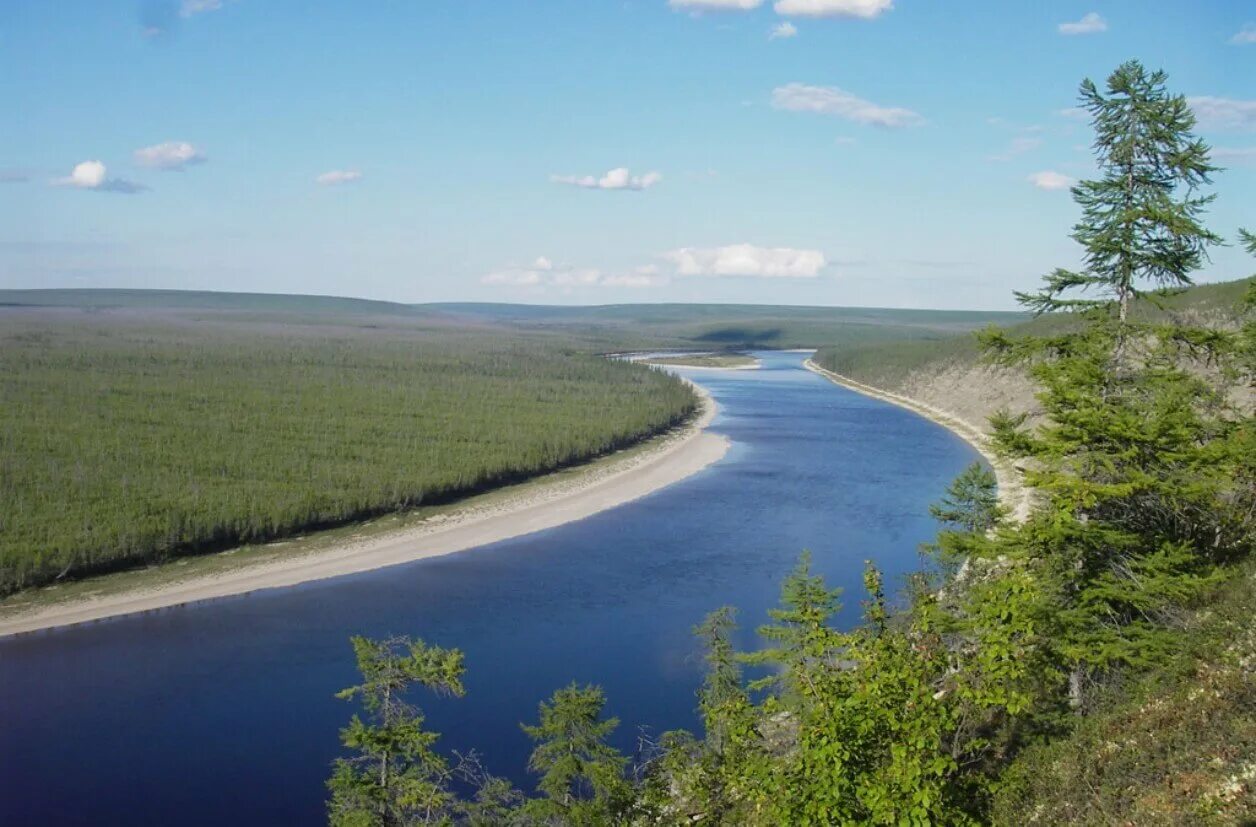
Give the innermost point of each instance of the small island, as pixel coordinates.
(722, 361)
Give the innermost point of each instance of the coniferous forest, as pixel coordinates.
(1091, 664)
(127, 444)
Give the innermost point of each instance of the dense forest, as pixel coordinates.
(125, 442)
(1091, 664)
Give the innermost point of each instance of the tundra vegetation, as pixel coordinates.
(1091, 664)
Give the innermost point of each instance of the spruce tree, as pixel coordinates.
(396, 778)
(1140, 223)
(582, 780)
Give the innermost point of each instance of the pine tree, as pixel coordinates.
(396, 778)
(582, 778)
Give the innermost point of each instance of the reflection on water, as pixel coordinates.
(222, 712)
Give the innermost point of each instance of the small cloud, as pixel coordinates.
(747, 260)
(1091, 23)
(1019, 146)
(641, 277)
(1073, 113)
(715, 5)
(1050, 180)
(862, 9)
(191, 8)
(543, 273)
(172, 156)
(782, 31)
(337, 177)
(830, 100)
(616, 179)
(1236, 156)
(1223, 113)
(1245, 36)
(13, 176)
(844, 140)
(92, 175)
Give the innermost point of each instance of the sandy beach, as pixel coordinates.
(538, 506)
(1013, 493)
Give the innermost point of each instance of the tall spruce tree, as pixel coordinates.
(1140, 223)
(1135, 454)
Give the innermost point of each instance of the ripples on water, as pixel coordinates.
(223, 712)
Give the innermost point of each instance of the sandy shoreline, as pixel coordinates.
(1012, 491)
(669, 459)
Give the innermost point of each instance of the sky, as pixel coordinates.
(890, 153)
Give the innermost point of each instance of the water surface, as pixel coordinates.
(223, 712)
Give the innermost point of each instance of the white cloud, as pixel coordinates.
(87, 175)
(715, 5)
(783, 30)
(645, 276)
(193, 7)
(1091, 23)
(844, 140)
(543, 273)
(338, 176)
(616, 179)
(1073, 113)
(830, 100)
(1019, 146)
(1223, 113)
(92, 175)
(174, 156)
(1051, 180)
(863, 9)
(1245, 36)
(747, 260)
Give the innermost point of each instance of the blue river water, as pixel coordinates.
(223, 712)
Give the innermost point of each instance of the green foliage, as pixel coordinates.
(122, 443)
(1174, 745)
(968, 513)
(396, 778)
(972, 501)
(582, 780)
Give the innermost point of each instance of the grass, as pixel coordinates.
(125, 441)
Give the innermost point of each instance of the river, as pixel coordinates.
(223, 712)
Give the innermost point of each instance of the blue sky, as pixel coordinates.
(838, 152)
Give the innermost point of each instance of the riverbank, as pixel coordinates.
(1013, 494)
(511, 512)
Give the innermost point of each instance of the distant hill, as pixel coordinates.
(734, 326)
(604, 327)
(200, 300)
